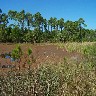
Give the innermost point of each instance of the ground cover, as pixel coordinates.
(63, 69)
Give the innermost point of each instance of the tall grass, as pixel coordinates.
(77, 47)
(64, 79)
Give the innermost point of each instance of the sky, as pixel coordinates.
(67, 9)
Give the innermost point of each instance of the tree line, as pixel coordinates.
(26, 27)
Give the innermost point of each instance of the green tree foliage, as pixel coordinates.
(29, 20)
(38, 20)
(61, 23)
(3, 26)
(29, 37)
(16, 34)
(27, 27)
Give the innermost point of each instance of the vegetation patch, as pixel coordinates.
(70, 76)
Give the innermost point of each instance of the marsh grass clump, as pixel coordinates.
(31, 58)
(16, 54)
(78, 47)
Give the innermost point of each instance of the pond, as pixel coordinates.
(7, 56)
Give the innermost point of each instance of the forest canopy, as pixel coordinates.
(34, 28)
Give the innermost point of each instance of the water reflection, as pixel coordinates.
(7, 56)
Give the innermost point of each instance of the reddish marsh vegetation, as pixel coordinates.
(53, 70)
(42, 54)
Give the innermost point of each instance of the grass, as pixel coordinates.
(68, 78)
(51, 80)
(77, 47)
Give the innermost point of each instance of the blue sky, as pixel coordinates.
(67, 9)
